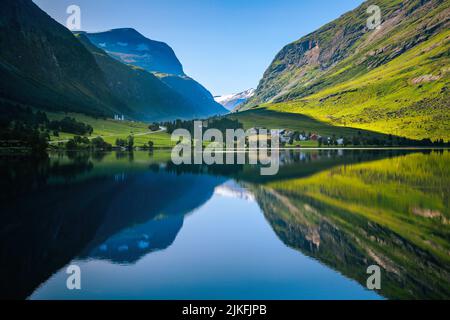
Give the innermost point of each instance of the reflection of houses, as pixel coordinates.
(119, 117)
(285, 135)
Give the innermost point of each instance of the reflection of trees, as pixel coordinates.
(125, 155)
(293, 163)
(22, 175)
(218, 170)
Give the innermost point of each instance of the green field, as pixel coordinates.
(110, 130)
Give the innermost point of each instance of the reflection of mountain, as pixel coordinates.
(393, 213)
(231, 189)
(80, 217)
(300, 164)
(156, 204)
(293, 164)
(338, 207)
(129, 245)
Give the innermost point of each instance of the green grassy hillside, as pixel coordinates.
(392, 80)
(111, 130)
(408, 96)
(273, 119)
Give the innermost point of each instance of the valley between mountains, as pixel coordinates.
(342, 80)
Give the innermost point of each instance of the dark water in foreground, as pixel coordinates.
(141, 228)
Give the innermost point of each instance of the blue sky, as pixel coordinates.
(224, 44)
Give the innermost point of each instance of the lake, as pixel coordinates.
(139, 227)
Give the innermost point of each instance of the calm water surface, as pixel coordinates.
(141, 228)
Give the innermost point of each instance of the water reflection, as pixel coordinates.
(347, 209)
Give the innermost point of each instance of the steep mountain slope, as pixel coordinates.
(194, 92)
(130, 47)
(393, 79)
(148, 97)
(40, 63)
(232, 101)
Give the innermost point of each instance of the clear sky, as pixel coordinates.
(224, 44)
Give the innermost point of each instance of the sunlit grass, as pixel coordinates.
(385, 99)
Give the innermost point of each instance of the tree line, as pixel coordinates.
(22, 127)
(220, 123)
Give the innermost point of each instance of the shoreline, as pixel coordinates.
(28, 151)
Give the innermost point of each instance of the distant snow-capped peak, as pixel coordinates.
(232, 101)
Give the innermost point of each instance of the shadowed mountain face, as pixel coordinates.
(40, 63)
(130, 47)
(149, 98)
(202, 100)
(43, 65)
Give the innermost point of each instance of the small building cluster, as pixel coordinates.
(119, 117)
(290, 137)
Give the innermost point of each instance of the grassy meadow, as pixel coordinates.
(406, 97)
(111, 130)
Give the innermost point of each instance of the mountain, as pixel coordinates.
(44, 65)
(146, 95)
(40, 63)
(130, 47)
(393, 79)
(232, 101)
(195, 93)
